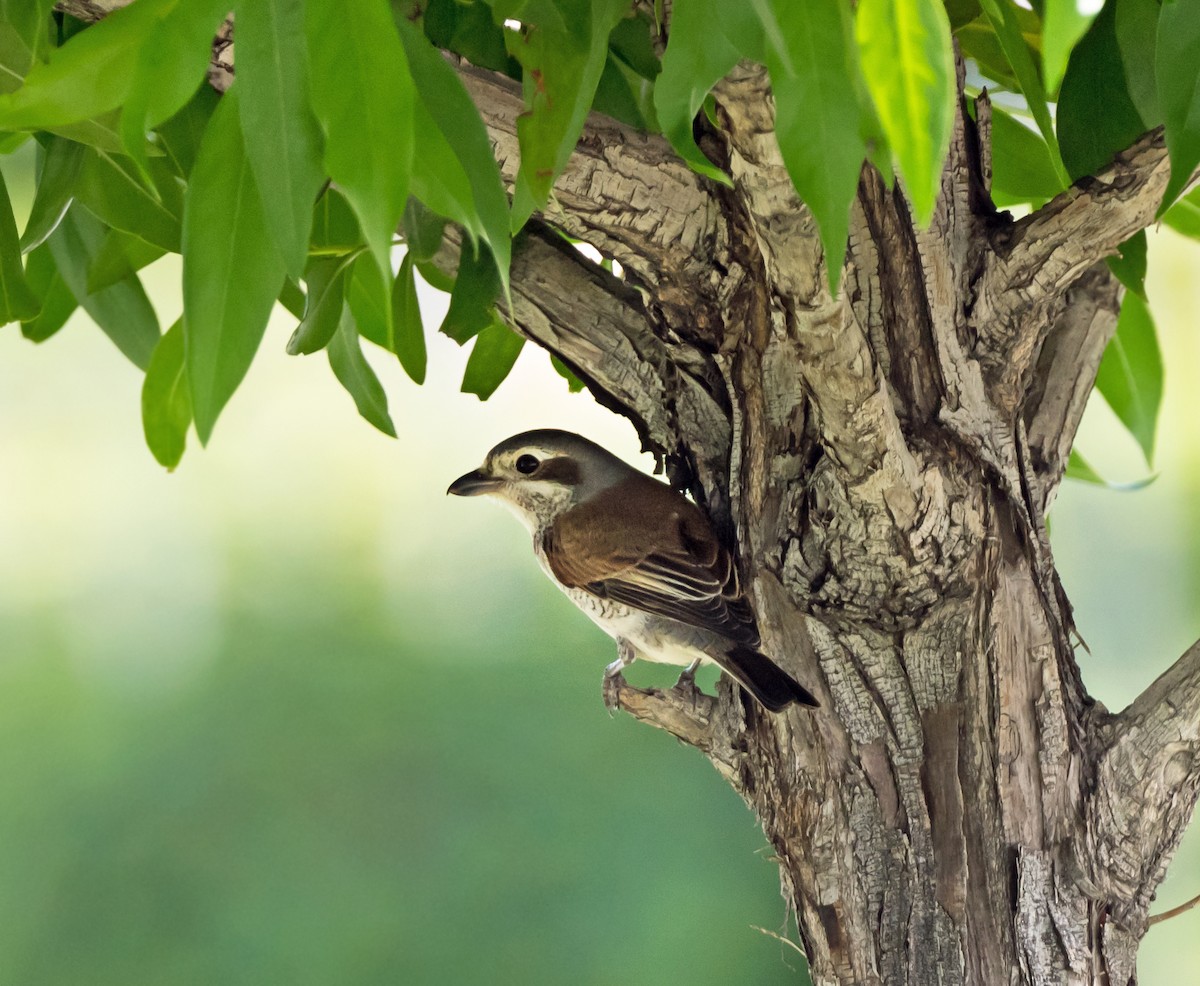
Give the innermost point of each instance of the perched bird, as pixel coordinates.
(640, 559)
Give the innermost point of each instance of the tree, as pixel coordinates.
(812, 309)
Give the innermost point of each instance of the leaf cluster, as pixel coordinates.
(347, 134)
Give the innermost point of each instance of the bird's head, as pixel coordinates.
(539, 474)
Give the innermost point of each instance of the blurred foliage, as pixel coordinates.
(324, 803)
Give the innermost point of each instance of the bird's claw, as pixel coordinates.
(613, 679)
(686, 686)
(611, 689)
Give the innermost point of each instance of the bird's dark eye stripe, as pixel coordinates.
(527, 464)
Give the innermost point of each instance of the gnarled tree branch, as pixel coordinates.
(1066, 373)
(1039, 257)
(686, 713)
(625, 192)
(599, 326)
(855, 412)
(1147, 783)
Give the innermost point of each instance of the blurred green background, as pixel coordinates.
(291, 715)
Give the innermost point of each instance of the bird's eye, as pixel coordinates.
(527, 464)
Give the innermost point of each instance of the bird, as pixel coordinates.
(638, 557)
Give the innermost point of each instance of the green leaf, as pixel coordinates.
(438, 178)
(1096, 115)
(706, 42)
(468, 29)
(166, 401)
(492, 357)
(17, 300)
(632, 44)
(111, 188)
(1062, 27)
(626, 94)
(1177, 68)
(169, 68)
(120, 255)
(57, 301)
(10, 142)
(818, 120)
(423, 231)
(334, 229)
(86, 77)
(180, 136)
(122, 311)
(1079, 468)
(1184, 215)
(574, 384)
(22, 38)
(1004, 19)
(1130, 264)
(369, 298)
(292, 298)
(406, 318)
(562, 48)
(908, 63)
(350, 366)
(433, 276)
(326, 278)
(56, 184)
(1131, 373)
(283, 138)
(1136, 30)
(232, 272)
(1021, 167)
(100, 132)
(472, 301)
(362, 89)
(962, 12)
(456, 120)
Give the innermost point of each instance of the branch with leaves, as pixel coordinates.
(121, 132)
(622, 190)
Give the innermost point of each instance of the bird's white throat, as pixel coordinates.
(536, 505)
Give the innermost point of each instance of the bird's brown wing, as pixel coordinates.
(655, 552)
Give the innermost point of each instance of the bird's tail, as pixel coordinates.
(774, 688)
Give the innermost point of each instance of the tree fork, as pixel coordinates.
(959, 810)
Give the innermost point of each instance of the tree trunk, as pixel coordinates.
(959, 810)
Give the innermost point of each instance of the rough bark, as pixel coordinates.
(958, 811)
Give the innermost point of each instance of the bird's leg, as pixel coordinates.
(687, 680)
(612, 674)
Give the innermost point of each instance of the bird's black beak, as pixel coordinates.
(474, 483)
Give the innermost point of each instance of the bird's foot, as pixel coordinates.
(686, 685)
(614, 679)
(611, 690)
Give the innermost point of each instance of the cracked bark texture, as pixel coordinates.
(958, 811)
